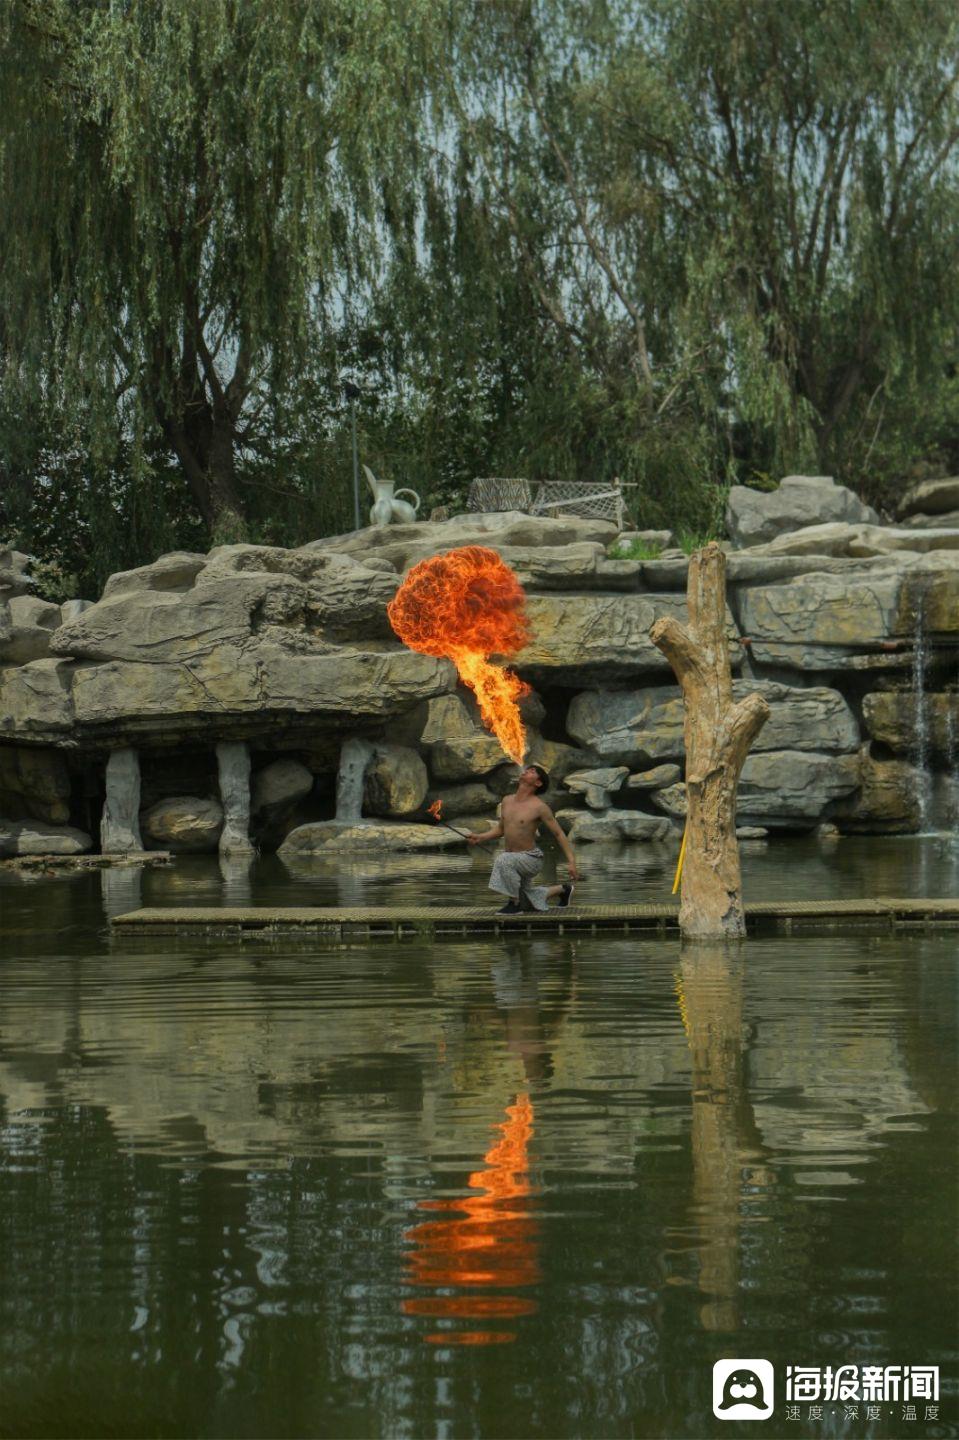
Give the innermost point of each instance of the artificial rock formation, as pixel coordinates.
(886, 801)
(612, 825)
(857, 542)
(783, 789)
(34, 784)
(718, 734)
(755, 516)
(183, 824)
(396, 781)
(376, 836)
(289, 654)
(822, 622)
(636, 726)
(655, 779)
(892, 717)
(31, 837)
(31, 624)
(277, 788)
(456, 800)
(457, 745)
(932, 500)
(594, 638)
(405, 545)
(597, 786)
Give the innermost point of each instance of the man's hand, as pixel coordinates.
(553, 825)
(475, 839)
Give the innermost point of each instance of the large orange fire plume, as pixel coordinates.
(467, 605)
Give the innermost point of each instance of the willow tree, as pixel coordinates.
(191, 193)
(742, 215)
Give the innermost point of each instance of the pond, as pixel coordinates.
(519, 1187)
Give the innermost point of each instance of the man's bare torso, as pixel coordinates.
(521, 821)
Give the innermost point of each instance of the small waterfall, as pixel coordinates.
(952, 763)
(355, 755)
(920, 659)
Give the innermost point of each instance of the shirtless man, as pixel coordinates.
(515, 866)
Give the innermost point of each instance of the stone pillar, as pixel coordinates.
(120, 822)
(355, 755)
(233, 760)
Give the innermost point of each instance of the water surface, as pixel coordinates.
(520, 1187)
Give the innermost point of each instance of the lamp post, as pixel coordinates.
(353, 393)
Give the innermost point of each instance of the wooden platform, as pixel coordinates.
(395, 922)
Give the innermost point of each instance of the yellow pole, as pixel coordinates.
(682, 857)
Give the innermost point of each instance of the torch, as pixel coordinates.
(435, 810)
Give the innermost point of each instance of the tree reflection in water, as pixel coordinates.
(726, 1146)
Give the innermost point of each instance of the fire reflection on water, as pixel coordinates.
(492, 1244)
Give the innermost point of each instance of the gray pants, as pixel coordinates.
(512, 872)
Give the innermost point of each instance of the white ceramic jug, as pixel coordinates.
(386, 503)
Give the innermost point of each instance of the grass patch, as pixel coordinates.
(690, 540)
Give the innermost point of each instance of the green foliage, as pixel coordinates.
(760, 480)
(690, 540)
(52, 582)
(202, 193)
(739, 216)
(229, 528)
(687, 245)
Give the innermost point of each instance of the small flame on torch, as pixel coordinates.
(436, 809)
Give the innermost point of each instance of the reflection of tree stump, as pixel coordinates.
(718, 735)
(725, 1143)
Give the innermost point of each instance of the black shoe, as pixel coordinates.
(511, 909)
(565, 896)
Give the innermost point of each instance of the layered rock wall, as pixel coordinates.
(271, 658)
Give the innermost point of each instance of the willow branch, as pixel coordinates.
(907, 154)
(598, 251)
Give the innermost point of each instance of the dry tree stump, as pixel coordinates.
(718, 734)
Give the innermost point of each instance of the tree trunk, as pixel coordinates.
(718, 734)
(198, 419)
(205, 448)
(225, 503)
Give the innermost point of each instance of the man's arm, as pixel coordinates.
(493, 834)
(555, 828)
